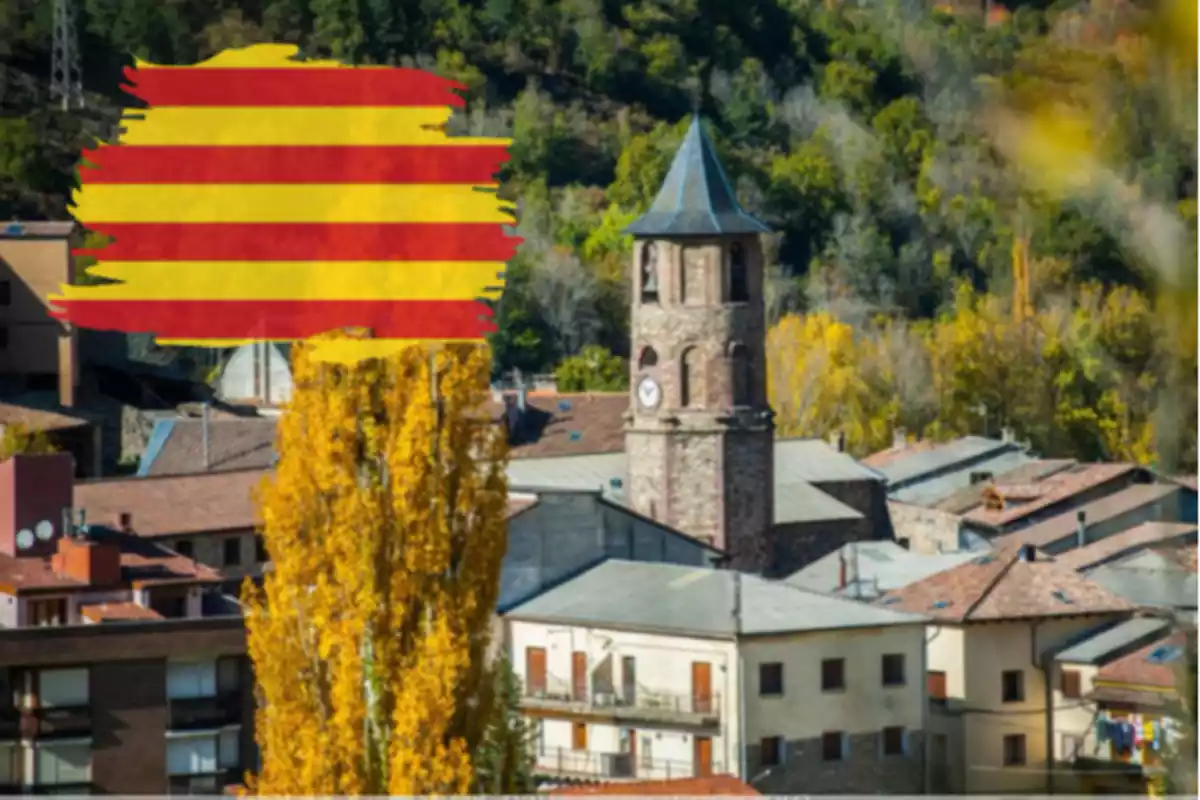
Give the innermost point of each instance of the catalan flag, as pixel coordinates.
(265, 198)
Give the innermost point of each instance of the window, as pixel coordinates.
(192, 755)
(229, 676)
(59, 763)
(1071, 687)
(739, 289)
(260, 550)
(893, 741)
(1012, 688)
(189, 679)
(649, 273)
(579, 736)
(893, 669)
(5, 293)
(935, 685)
(229, 748)
(739, 367)
(1014, 750)
(770, 679)
(689, 384)
(833, 746)
(233, 551)
(771, 751)
(539, 728)
(51, 611)
(10, 766)
(63, 688)
(646, 751)
(648, 358)
(833, 674)
(184, 548)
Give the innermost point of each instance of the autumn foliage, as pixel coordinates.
(385, 523)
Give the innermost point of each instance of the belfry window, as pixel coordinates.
(649, 273)
(739, 288)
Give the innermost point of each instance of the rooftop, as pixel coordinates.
(1004, 585)
(1155, 582)
(16, 229)
(118, 612)
(919, 462)
(696, 198)
(886, 564)
(1022, 500)
(1103, 646)
(966, 498)
(720, 785)
(697, 601)
(1126, 542)
(36, 417)
(172, 505)
(1066, 524)
(1155, 664)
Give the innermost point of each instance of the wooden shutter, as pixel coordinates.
(701, 687)
(535, 670)
(936, 685)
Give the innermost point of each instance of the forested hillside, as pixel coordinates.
(900, 150)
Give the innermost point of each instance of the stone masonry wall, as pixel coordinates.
(864, 770)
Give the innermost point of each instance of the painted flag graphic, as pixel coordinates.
(264, 198)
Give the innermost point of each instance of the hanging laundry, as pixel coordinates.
(1148, 730)
(1136, 732)
(1103, 730)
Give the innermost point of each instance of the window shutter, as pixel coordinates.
(63, 687)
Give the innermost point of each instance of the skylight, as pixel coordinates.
(942, 604)
(1062, 597)
(574, 436)
(1165, 654)
(983, 560)
(887, 601)
(564, 405)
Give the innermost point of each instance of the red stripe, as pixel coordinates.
(281, 319)
(348, 241)
(284, 86)
(197, 164)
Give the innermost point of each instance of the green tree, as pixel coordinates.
(504, 762)
(595, 369)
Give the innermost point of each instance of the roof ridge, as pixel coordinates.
(991, 586)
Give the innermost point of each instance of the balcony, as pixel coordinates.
(73, 789)
(566, 763)
(641, 705)
(59, 721)
(204, 783)
(200, 713)
(10, 723)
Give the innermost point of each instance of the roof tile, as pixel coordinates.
(1064, 525)
(1127, 541)
(1139, 669)
(1054, 489)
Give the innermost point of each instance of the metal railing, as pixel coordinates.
(628, 702)
(563, 761)
(206, 712)
(64, 720)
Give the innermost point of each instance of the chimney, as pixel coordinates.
(125, 522)
(204, 434)
(88, 561)
(1008, 435)
(522, 399)
(837, 440)
(37, 488)
(68, 366)
(1028, 553)
(899, 438)
(1081, 529)
(904, 542)
(841, 569)
(981, 477)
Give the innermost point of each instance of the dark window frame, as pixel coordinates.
(833, 746)
(231, 546)
(1015, 753)
(770, 679)
(772, 745)
(892, 740)
(1071, 684)
(889, 664)
(1012, 686)
(830, 683)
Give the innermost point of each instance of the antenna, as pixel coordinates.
(66, 76)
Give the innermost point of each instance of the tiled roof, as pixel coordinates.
(1127, 541)
(1190, 481)
(104, 612)
(696, 198)
(1054, 489)
(173, 504)
(552, 425)
(719, 785)
(142, 563)
(38, 419)
(1002, 585)
(882, 458)
(968, 497)
(1182, 554)
(1147, 666)
(922, 463)
(1066, 525)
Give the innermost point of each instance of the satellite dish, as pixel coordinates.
(25, 539)
(44, 530)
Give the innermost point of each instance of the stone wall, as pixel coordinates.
(798, 544)
(864, 770)
(868, 498)
(927, 530)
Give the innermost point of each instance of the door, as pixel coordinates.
(632, 749)
(701, 687)
(629, 680)
(579, 736)
(579, 680)
(535, 671)
(702, 760)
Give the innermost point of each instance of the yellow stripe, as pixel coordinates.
(288, 203)
(344, 351)
(303, 280)
(257, 55)
(292, 126)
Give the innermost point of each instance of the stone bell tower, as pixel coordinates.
(699, 434)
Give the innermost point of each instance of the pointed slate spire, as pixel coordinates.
(696, 198)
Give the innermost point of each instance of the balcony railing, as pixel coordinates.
(198, 713)
(204, 783)
(564, 762)
(59, 788)
(64, 720)
(639, 704)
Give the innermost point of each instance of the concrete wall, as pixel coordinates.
(209, 549)
(860, 712)
(927, 530)
(34, 269)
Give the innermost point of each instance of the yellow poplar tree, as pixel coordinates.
(385, 522)
(17, 438)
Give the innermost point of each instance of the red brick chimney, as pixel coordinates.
(36, 492)
(88, 561)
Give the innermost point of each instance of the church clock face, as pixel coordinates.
(649, 394)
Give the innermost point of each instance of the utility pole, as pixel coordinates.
(66, 76)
